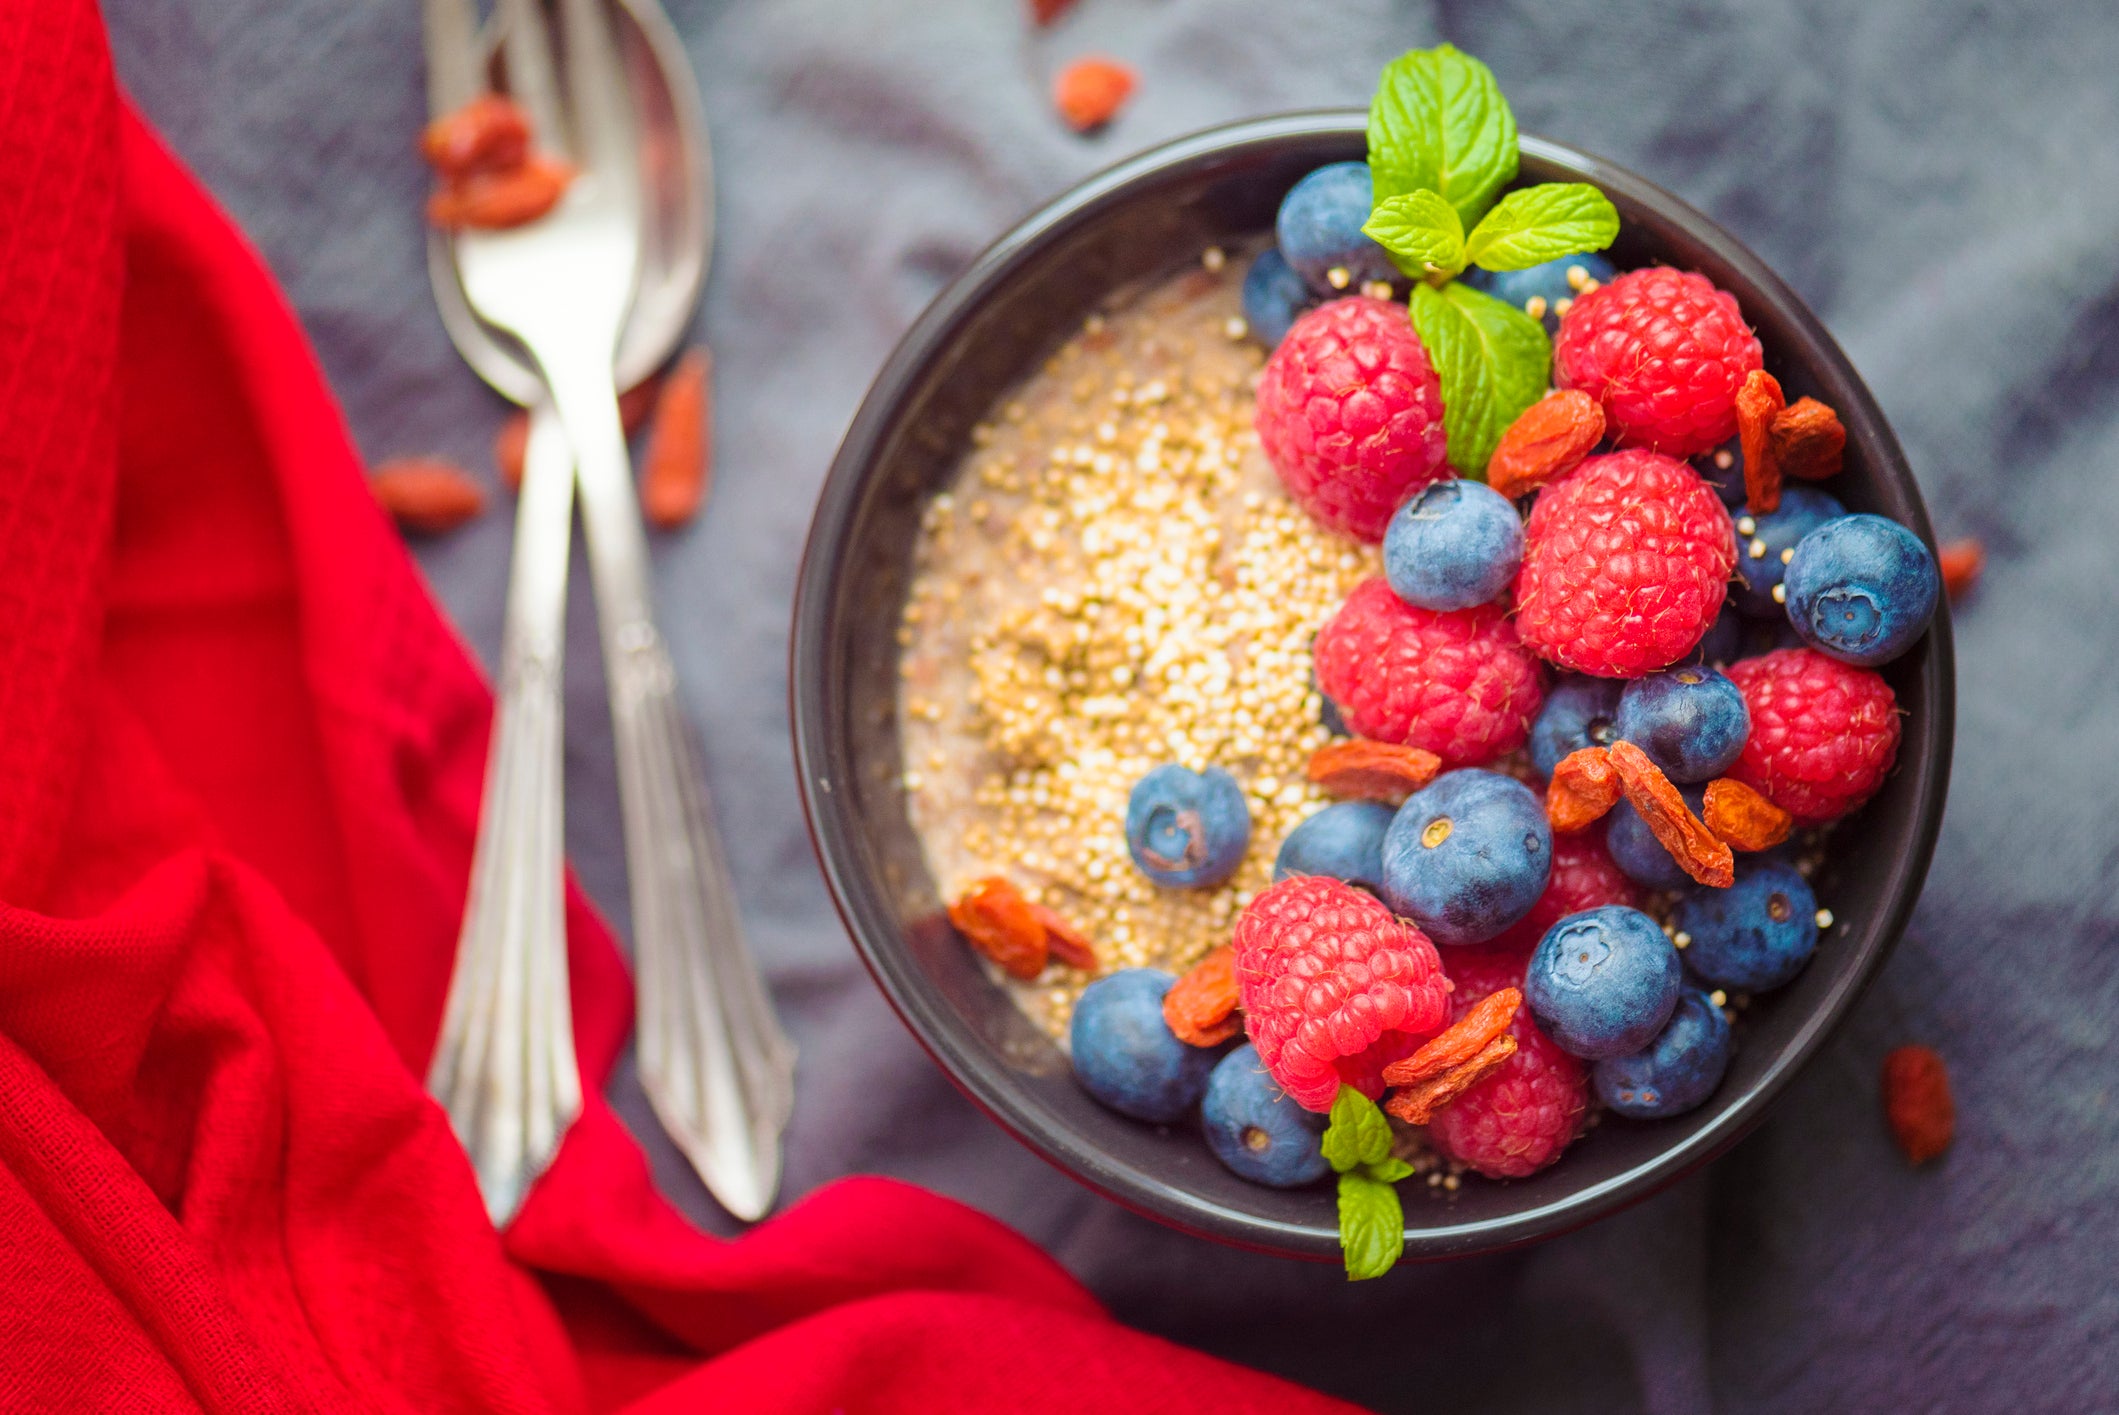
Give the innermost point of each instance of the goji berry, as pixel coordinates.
(1067, 943)
(1808, 440)
(1416, 1104)
(1000, 923)
(1546, 440)
(1089, 92)
(1363, 770)
(1917, 1102)
(1584, 787)
(488, 134)
(1462, 1041)
(1960, 562)
(1664, 811)
(1200, 1007)
(1758, 403)
(495, 201)
(679, 465)
(511, 444)
(427, 494)
(1743, 818)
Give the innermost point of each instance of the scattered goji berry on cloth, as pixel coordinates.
(488, 134)
(1960, 562)
(1458, 1043)
(1807, 440)
(1695, 848)
(679, 464)
(1363, 770)
(1045, 12)
(1089, 92)
(427, 494)
(1584, 787)
(1547, 440)
(1743, 818)
(1758, 403)
(1917, 1102)
(1201, 1006)
(1001, 924)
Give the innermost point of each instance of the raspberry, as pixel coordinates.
(1334, 988)
(1584, 876)
(1665, 352)
(1350, 414)
(1520, 1118)
(1625, 565)
(1455, 682)
(1824, 734)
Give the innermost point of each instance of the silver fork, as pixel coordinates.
(713, 1059)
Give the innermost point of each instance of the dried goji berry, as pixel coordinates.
(1960, 562)
(1461, 1042)
(1664, 811)
(1584, 786)
(1362, 770)
(494, 201)
(1068, 944)
(488, 134)
(1000, 923)
(1089, 92)
(1758, 403)
(1201, 1006)
(1546, 439)
(1045, 12)
(1416, 1104)
(427, 494)
(1917, 1102)
(1741, 817)
(511, 444)
(679, 464)
(1808, 440)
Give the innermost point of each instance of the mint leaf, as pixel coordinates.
(1543, 223)
(1371, 1226)
(1388, 1170)
(1493, 360)
(1420, 231)
(1440, 124)
(1358, 1134)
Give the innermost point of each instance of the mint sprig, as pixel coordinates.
(1357, 1144)
(1442, 146)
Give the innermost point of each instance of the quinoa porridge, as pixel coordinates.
(1114, 580)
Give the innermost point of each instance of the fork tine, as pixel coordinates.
(596, 89)
(526, 44)
(453, 68)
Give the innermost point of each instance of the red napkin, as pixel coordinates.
(240, 755)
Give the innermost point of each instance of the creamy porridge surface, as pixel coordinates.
(1114, 580)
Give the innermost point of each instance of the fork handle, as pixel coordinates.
(713, 1060)
(504, 1066)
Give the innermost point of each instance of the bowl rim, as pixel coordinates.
(872, 924)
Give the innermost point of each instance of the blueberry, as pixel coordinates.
(1727, 481)
(1274, 297)
(1691, 722)
(1467, 856)
(1676, 1071)
(1861, 588)
(1319, 227)
(1723, 643)
(1603, 982)
(1556, 283)
(1455, 545)
(1636, 851)
(1344, 840)
(1578, 713)
(1802, 510)
(1755, 935)
(1254, 1129)
(1187, 828)
(1125, 1054)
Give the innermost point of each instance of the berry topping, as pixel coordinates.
(1665, 352)
(1455, 682)
(1350, 414)
(1454, 545)
(1343, 841)
(1755, 935)
(1625, 565)
(1335, 987)
(1517, 1119)
(1675, 1072)
(1273, 296)
(1125, 1054)
(1319, 229)
(1579, 712)
(1467, 856)
(1691, 722)
(1861, 588)
(1603, 982)
(1824, 734)
(1187, 828)
(1256, 1130)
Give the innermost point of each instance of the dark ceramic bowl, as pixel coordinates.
(1016, 303)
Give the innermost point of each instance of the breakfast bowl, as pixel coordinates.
(999, 321)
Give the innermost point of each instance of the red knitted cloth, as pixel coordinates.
(240, 756)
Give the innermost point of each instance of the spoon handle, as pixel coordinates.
(714, 1062)
(504, 1066)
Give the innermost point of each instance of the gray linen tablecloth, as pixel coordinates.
(1940, 180)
